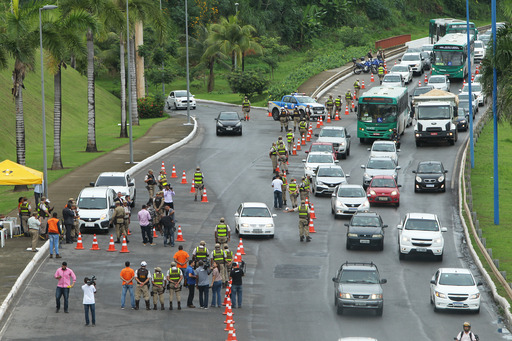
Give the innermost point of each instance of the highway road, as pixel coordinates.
(287, 292)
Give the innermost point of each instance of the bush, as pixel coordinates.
(247, 83)
(376, 10)
(356, 36)
(151, 106)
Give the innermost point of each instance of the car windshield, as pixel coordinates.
(427, 48)
(437, 80)
(479, 45)
(383, 147)
(388, 183)
(433, 112)
(255, 212)
(449, 58)
(92, 203)
(456, 279)
(429, 168)
(392, 79)
(421, 225)
(411, 57)
(111, 181)
(461, 111)
(229, 116)
(414, 49)
(332, 133)
(475, 87)
(381, 164)
(305, 99)
(464, 97)
(320, 159)
(351, 192)
(321, 148)
(365, 221)
(359, 276)
(400, 68)
(421, 91)
(330, 172)
(181, 94)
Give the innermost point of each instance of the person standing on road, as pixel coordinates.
(348, 98)
(296, 118)
(174, 278)
(303, 128)
(200, 253)
(198, 182)
(304, 215)
(142, 276)
(284, 187)
(329, 104)
(150, 183)
(304, 188)
(290, 138)
(127, 276)
(357, 87)
(228, 261)
(246, 107)
(38, 193)
(54, 232)
(69, 219)
(380, 71)
(217, 257)
(203, 283)
(169, 196)
(282, 155)
(159, 284)
(127, 213)
(293, 190)
(162, 180)
(277, 185)
(337, 104)
(76, 222)
(273, 156)
(236, 285)
(145, 226)
(216, 286)
(168, 225)
(64, 277)
(222, 233)
(89, 289)
(118, 221)
(181, 258)
(190, 282)
(158, 205)
(25, 213)
(307, 113)
(34, 224)
(283, 118)
(44, 211)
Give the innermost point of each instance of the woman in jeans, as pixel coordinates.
(216, 286)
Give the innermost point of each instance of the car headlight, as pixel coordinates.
(308, 168)
(342, 144)
(416, 65)
(440, 294)
(406, 239)
(441, 178)
(269, 225)
(378, 235)
(340, 203)
(178, 100)
(372, 192)
(365, 205)
(345, 295)
(376, 296)
(103, 216)
(238, 124)
(351, 234)
(438, 240)
(394, 193)
(245, 225)
(220, 124)
(474, 296)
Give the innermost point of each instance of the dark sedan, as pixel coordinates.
(430, 176)
(365, 229)
(462, 120)
(229, 123)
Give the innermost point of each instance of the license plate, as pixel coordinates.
(421, 249)
(229, 128)
(376, 134)
(364, 241)
(383, 198)
(257, 231)
(458, 304)
(429, 185)
(89, 224)
(433, 134)
(352, 208)
(361, 303)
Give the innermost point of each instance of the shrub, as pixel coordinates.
(247, 83)
(151, 106)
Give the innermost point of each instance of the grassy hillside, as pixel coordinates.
(74, 124)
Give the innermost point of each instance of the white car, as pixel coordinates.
(476, 88)
(415, 60)
(392, 80)
(404, 70)
(421, 233)
(440, 82)
(254, 218)
(349, 199)
(454, 288)
(118, 181)
(339, 137)
(479, 50)
(327, 178)
(316, 159)
(177, 99)
(384, 149)
(96, 208)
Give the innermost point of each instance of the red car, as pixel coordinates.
(383, 190)
(322, 147)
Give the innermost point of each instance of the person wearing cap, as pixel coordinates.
(303, 127)
(69, 218)
(284, 186)
(290, 138)
(222, 233)
(272, 154)
(282, 156)
(158, 205)
(217, 256)
(348, 99)
(64, 275)
(200, 252)
(150, 181)
(159, 283)
(337, 104)
(89, 302)
(44, 211)
(34, 224)
(357, 87)
(246, 107)
(293, 191)
(304, 214)
(228, 262)
(304, 188)
(236, 275)
(283, 118)
(296, 118)
(198, 182)
(162, 179)
(174, 277)
(142, 276)
(466, 334)
(118, 221)
(127, 275)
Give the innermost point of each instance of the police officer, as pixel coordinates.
(303, 127)
(44, 210)
(200, 252)
(142, 277)
(290, 138)
(348, 98)
(303, 210)
(284, 186)
(307, 113)
(118, 221)
(337, 103)
(25, 213)
(198, 182)
(357, 87)
(246, 107)
(283, 118)
(296, 118)
(222, 233)
(380, 55)
(174, 277)
(228, 261)
(158, 290)
(329, 105)
(304, 188)
(272, 154)
(380, 71)
(293, 190)
(217, 256)
(162, 179)
(282, 156)
(150, 183)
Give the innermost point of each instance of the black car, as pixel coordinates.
(430, 176)
(229, 123)
(462, 120)
(365, 229)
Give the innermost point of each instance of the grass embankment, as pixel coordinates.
(74, 125)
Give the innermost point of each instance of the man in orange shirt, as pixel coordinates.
(54, 231)
(127, 275)
(181, 258)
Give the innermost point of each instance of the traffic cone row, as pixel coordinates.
(95, 245)
(173, 173)
(241, 247)
(184, 178)
(111, 245)
(179, 238)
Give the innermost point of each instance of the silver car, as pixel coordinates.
(339, 137)
(404, 70)
(440, 82)
(316, 159)
(415, 60)
(384, 149)
(349, 199)
(327, 178)
(476, 88)
(479, 50)
(379, 166)
(393, 80)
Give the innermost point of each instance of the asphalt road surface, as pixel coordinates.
(287, 291)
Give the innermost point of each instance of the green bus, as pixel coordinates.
(450, 55)
(381, 109)
(460, 26)
(438, 28)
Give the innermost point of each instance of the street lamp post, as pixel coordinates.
(45, 162)
(187, 68)
(129, 81)
(236, 6)
(163, 63)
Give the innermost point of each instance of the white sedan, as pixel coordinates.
(454, 288)
(178, 100)
(393, 80)
(476, 88)
(254, 218)
(316, 159)
(440, 82)
(405, 70)
(384, 149)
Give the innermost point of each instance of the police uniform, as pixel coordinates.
(200, 253)
(283, 186)
(303, 210)
(282, 156)
(150, 183)
(44, 210)
(217, 256)
(303, 127)
(283, 118)
(380, 71)
(246, 106)
(174, 277)
(357, 87)
(307, 113)
(296, 118)
(158, 289)
(222, 233)
(198, 182)
(329, 104)
(337, 103)
(228, 261)
(348, 98)
(118, 220)
(293, 190)
(290, 138)
(142, 277)
(162, 180)
(25, 211)
(273, 156)
(304, 188)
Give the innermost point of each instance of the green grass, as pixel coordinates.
(74, 125)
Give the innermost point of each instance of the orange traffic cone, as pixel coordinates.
(308, 136)
(311, 226)
(426, 79)
(472, 78)
(193, 188)
(298, 145)
(124, 246)
(303, 142)
(337, 117)
(353, 105)
(329, 117)
(111, 245)
(229, 319)
(362, 85)
(346, 110)
(179, 238)
(277, 169)
(419, 83)
(227, 303)
(163, 168)
(372, 79)
(294, 150)
(307, 201)
(128, 232)
(395, 62)
(154, 233)
(241, 246)
(184, 178)
(318, 125)
(205, 197)
(354, 96)
(79, 244)
(321, 121)
(384, 63)
(229, 328)
(385, 70)
(269, 114)
(173, 173)
(231, 336)
(477, 71)
(312, 213)
(95, 244)
(464, 82)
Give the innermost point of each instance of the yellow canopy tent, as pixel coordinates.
(12, 173)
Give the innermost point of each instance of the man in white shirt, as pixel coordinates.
(277, 184)
(89, 289)
(169, 196)
(34, 224)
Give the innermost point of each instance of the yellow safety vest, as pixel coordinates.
(222, 230)
(174, 275)
(158, 280)
(198, 178)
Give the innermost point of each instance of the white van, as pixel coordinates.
(96, 207)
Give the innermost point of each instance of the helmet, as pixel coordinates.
(173, 264)
(467, 324)
(143, 263)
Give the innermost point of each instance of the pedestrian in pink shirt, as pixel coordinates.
(64, 275)
(145, 226)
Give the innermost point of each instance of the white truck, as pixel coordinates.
(435, 114)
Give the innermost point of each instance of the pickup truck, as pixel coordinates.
(299, 100)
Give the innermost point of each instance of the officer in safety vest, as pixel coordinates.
(142, 277)
(150, 183)
(304, 188)
(380, 71)
(357, 87)
(217, 256)
(293, 190)
(200, 253)
(282, 156)
(290, 138)
(222, 233)
(44, 210)
(246, 107)
(174, 277)
(329, 104)
(159, 283)
(228, 261)
(162, 180)
(198, 182)
(303, 210)
(296, 118)
(25, 212)
(303, 127)
(272, 154)
(348, 98)
(283, 118)
(337, 104)
(284, 186)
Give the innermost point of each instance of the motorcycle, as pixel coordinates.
(396, 138)
(366, 66)
(358, 67)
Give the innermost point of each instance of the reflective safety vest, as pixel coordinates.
(273, 150)
(24, 208)
(174, 275)
(381, 70)
(356, 85)
(281, 149)
(218, 257)
(222, 230)
(201, 254)
(303, 212)
(303, 124)
(163, 179)
(142, 274)
(348, 96)
(228, 256)
(158, 280)
(53, 225)
(296, 113)
(42, 212)
(329, 102)
(198, 178)
(289, 137)
(292, 187)
(246, 103)
(337, 102)
(304, 186)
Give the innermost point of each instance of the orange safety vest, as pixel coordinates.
(53, 226)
